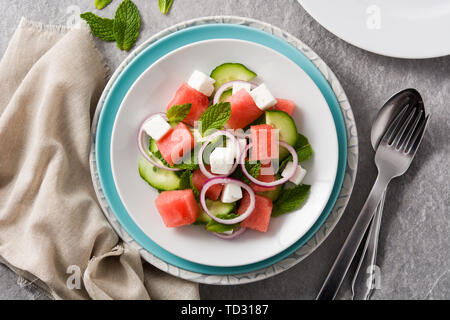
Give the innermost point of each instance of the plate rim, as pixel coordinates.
(350, 164)
(119, 189)
(374, 49)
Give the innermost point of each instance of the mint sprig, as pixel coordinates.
(127, 23)
(164, 6)
(178, 113)
(191, 185)
(100, 27)
(290, 199)
(253, 169)
(100, 4)
(215, 117)
(124, 28)
(302, 148)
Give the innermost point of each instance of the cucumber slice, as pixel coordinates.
(158, 178)
(287, 129)
(153, 147)
(229, 72)
(225, 95)
(216, 208)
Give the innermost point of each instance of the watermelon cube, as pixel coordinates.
(178, 207)
(285, 105)
(186, 94)
(243, 110)
(264, 178)
(260, 217)
(176, 144)
(199, 179)
(264, 142)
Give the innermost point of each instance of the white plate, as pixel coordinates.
(396, 28)
(151, 93)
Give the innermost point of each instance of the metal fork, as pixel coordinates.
(393, 157)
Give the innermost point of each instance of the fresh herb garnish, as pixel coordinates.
(290, 199)
(100, 4)
(191, 185)
(215, 117)
(179, 112)
(215, 226)
(185, 180)
(164, 6)
(100, 27)
(127, 23)
(253, 169)
(124, 28)
(303, 149)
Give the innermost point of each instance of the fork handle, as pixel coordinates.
(344, 259)
(362, 284)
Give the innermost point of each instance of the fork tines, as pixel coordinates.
(407, 129)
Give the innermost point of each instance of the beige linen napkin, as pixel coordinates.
(52, 230)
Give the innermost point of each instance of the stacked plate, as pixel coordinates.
(144, 83)
(411, 29)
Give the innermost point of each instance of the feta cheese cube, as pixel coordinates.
(201, 82)
(231, 193)
(262, 97)
(156, 127)
(299, 174)
(221, 160)
(241, 85)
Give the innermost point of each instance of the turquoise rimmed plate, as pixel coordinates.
(146, 55)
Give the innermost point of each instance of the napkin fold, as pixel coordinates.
(52, 230)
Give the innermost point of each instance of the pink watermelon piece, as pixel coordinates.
(186, 94)
(264, 142)
(199, 179)
(176, 144)
(285, 105)
(265, 175)
(260, 217)
(243, 110)
(177, 208)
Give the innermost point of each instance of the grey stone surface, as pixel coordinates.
(414, 254)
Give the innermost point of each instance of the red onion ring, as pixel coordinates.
(227, 86)
(276, 182)
(236, 233)
(210, 138)
(215, 181)
(140, 142)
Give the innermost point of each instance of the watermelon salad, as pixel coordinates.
(226, 155)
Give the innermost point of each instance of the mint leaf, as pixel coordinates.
(215, 117)
(178, 113)
(290, 199)
(185, 178)
(253, 169)
(194, 189)
(302, 148)
(215, 226)
(164, 6)
(186, 166)
(127, 23)
(304, 153)
(100, 27)
(100, 4)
